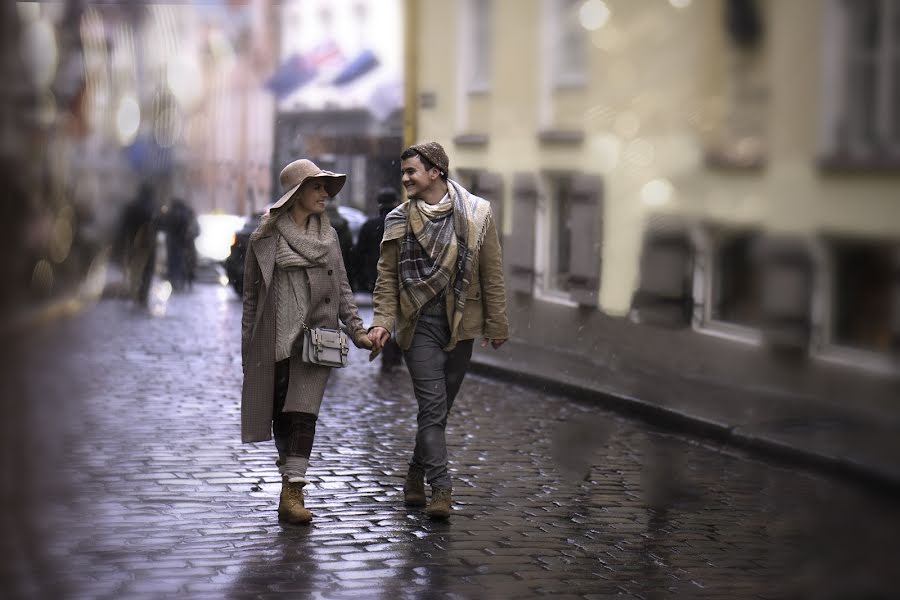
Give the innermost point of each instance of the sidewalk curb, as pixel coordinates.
(667, 418)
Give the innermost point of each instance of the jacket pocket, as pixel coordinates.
(473, 317)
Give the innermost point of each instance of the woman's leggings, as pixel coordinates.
(293, 431)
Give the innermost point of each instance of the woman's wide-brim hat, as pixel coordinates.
(298, 172)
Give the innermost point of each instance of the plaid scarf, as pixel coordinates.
(438, 244)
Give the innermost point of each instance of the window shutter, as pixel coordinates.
(663, 296)
(519, 250)
(585, 225)
(785, 267)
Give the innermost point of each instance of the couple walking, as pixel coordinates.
(439, 286)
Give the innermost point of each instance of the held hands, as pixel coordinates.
(361, 339)
(378, 336)
(494, 343)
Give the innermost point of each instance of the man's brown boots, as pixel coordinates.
(414, 488)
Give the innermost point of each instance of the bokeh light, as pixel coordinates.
(594, 14)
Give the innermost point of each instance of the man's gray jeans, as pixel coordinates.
(436, 377)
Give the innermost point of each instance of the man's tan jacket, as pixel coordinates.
(484, 313)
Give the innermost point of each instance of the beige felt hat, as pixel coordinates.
(297, 172)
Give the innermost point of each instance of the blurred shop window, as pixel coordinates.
(735, 282)
(476, 45)
(864, 295)
(862, 83)
(568, 238)
(567, 43)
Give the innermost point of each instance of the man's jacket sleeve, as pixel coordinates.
(387, 286)
(490, 267)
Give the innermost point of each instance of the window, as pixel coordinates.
(568, 237)
(861, 294)
(477, 23)
(559, 230)
(727, 283)
(873, 67)
(568, 44)
(863, 75)
(735, 284)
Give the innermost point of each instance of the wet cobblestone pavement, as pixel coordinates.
(124, 477)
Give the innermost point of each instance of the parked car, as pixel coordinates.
(234, 264)
(212, 244)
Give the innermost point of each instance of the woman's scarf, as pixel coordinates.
(298, 248)
(438, 244)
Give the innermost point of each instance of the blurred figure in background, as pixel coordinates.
(368, 248)
(365, 260)
(181, 227)
(137, 242)
(345, 236)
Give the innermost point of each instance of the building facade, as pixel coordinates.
(703, 186)
(338, 92)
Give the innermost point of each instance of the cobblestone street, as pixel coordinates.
(125, 477)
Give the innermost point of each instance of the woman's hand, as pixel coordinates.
(361, 339)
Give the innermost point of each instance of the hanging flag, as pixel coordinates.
(325, 55)
(293, 73)
(364, 62)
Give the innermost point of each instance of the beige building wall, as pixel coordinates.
(657, 108)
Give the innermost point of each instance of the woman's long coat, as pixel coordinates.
(330, 297)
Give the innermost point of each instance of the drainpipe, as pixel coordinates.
(410, 66)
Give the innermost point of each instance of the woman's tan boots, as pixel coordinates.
(290, 506)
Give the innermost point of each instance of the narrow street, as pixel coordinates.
(124, 477)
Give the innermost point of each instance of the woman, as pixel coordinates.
(293, 275)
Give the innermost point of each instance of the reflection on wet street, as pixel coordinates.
(124, 476)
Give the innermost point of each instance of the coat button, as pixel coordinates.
(329, 271)
(327, 300)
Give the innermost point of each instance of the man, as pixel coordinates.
(137, 242)
(440, 285)
(368, 247)
(345, 236)
(366, 255)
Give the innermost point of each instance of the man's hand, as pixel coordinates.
(494, 343)
(379, 337)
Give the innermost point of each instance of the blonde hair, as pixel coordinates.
(267, 223)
